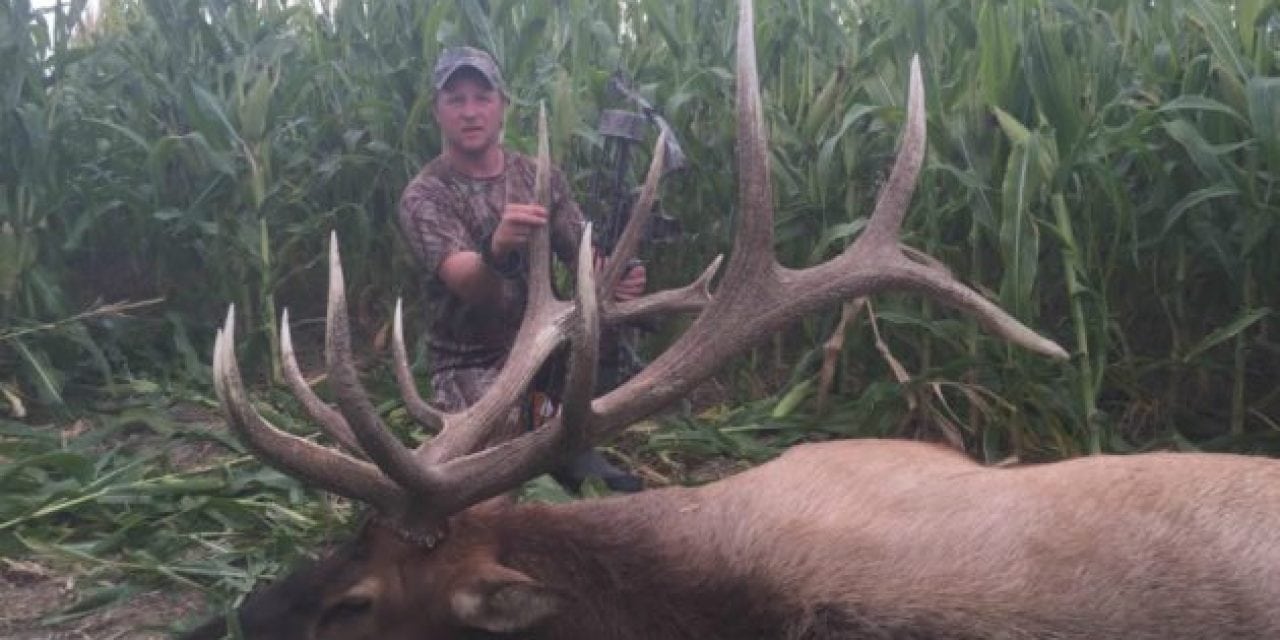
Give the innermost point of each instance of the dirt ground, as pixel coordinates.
(30, 593)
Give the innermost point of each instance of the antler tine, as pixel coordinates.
(423, 413)
(690, 298)
(633, 232)
(885, 225)
(330, 421)
(383, 448)
(540, 290)
(753, 246)
(300, 458)
(580, 383)
(941, 286)
(878, 254)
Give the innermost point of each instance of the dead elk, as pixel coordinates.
(849, 539)
(854, 539)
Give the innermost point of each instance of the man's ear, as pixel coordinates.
(501, 600)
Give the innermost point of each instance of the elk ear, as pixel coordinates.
(501, 600)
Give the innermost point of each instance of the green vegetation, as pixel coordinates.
(1107, 169)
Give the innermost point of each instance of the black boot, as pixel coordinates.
(591, 464)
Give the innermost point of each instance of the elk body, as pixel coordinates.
(858, 539)
(852, 539)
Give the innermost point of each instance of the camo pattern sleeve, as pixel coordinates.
(435, 220)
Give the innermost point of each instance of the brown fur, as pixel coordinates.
(852, 539)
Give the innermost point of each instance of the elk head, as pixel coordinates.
(422, 559)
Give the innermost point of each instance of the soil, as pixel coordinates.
(32, 593)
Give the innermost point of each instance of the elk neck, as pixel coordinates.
(634, 567)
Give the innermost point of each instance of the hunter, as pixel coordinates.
(467, 217)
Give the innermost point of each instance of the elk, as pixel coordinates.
(846, 539)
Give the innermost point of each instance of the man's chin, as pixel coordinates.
(474, 147)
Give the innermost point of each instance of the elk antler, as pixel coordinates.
(757, 296)
(419, 488)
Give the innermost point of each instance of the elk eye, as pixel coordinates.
(346, 611)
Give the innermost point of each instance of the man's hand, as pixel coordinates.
(518, 223)
(632, 283)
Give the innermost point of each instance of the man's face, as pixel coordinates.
(469, 111)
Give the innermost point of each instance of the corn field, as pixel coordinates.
(1106, 169)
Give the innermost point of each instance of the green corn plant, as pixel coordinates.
(1096, 165)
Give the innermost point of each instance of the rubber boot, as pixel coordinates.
(591, 464)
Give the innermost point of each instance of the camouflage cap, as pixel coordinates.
(455, 58)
